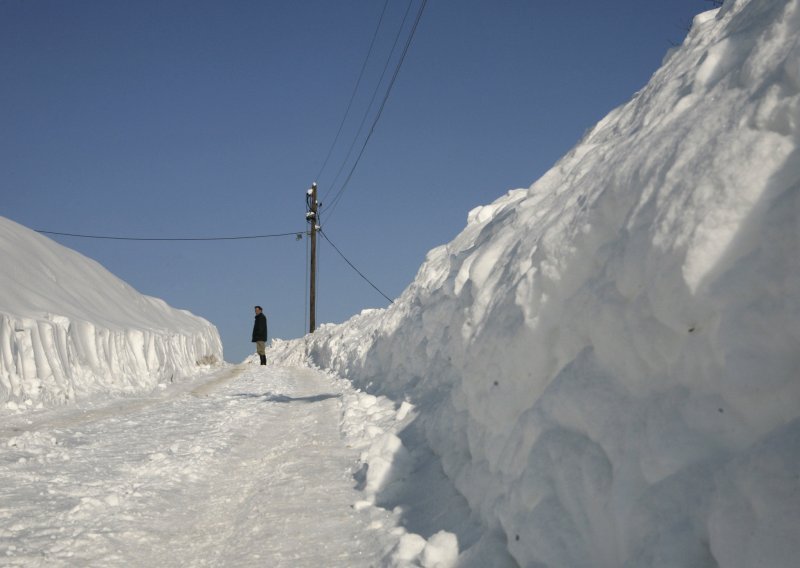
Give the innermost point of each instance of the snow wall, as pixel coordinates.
(608, 363)
(70, 328)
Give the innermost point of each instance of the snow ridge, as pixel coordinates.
(606, 363)
(69, 328)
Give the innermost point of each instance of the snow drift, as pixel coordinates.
(68, 327)
(607, 363)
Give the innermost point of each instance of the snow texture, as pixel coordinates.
(606, 365)
(70, 329)
(243, 466)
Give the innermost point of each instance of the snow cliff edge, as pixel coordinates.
(70, 328)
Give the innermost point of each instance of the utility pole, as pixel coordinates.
(312, 217)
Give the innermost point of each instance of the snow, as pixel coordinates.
(71, 329)
(601, 370)
(605, 365)
(243, 466)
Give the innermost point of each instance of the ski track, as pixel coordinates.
(246, 469)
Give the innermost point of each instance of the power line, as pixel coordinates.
(371, 100)
(338, 195)
(355, 89)
(294, 234)
(354, 268)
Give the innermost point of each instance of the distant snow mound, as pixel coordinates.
(68, 327)
(608, 363)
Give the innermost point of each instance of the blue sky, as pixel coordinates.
(198, 118)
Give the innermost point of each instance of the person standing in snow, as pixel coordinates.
(260, 334)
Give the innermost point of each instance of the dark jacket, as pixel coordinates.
(260, 328)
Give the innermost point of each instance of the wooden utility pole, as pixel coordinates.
(312, 216)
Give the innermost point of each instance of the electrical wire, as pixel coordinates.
(371, 100)
(354, 268)
(355, 90)
(294, 234)
(338, 195)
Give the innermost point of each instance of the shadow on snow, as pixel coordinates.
(273, 397)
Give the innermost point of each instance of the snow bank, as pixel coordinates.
(607, 363)
(69, 328)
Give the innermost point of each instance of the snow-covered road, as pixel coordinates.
(245, 467)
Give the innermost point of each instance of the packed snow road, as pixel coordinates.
(243, 468)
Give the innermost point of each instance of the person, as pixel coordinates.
(260, 334)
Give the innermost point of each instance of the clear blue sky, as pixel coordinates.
(193, 118)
